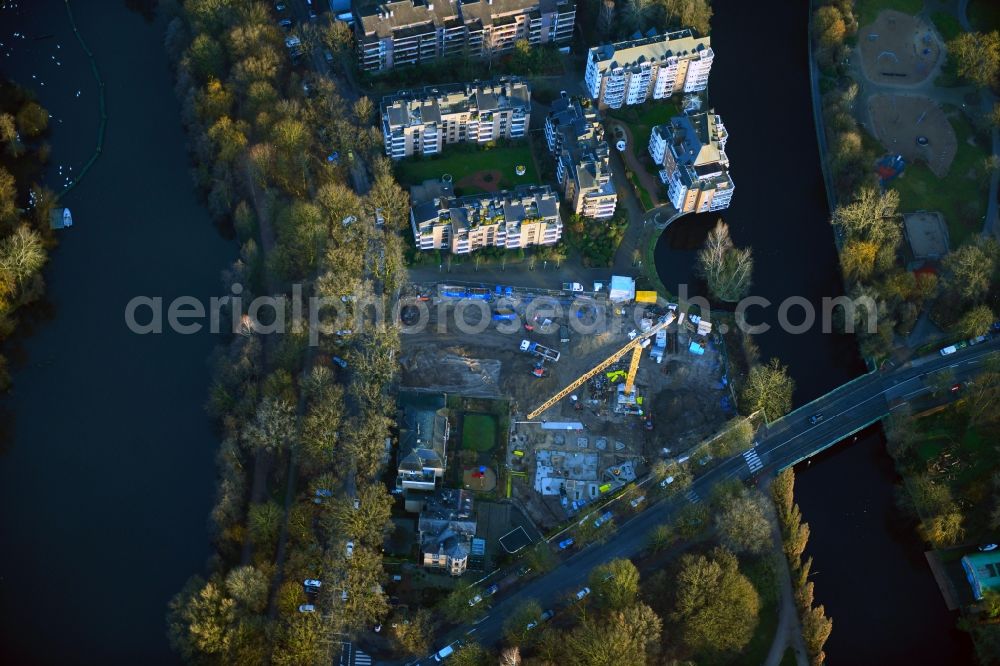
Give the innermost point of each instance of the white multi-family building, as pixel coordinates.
(403, 32)
(575, 138)
(692, 151)
(422, 121)
(650, 68)
(525, 216)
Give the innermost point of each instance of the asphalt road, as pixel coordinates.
(845, 411)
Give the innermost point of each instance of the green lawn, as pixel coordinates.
(761, 573)
(464, 160)
(959, 197)
(984, 15)
(867, 10)
(479, 432)
(947, 25)
(641, 120)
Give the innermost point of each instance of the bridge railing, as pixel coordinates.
(778, 424)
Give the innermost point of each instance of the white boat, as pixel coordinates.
(67, 218)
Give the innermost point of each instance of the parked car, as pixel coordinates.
(547, 615)
(350, 549)
(307, 608)
(987, 547)
(666, 482)
(524, 571)
(492, 589)
(312, 582)
(475, 600)
(637, 501)
(566, 543)
(286, 23)
(603, 518)
(816, 418)
(323, 492)
(582, 593)
(339, 361)
(279, 7)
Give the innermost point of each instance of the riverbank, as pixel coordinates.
(107, 478)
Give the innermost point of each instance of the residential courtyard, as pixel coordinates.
(474, 169)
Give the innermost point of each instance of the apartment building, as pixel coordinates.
(422, 121)
(575, 137)
(390, 34)
(446, 528)
(650, 68)
(525, 216)
(692, 151)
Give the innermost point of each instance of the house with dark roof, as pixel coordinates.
(446, 529)
(423, 442)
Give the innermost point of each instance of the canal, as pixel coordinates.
(869, 566)
(107, 476)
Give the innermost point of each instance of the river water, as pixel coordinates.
(108, 478)
(870, 571)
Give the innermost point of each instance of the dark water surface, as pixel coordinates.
(870, 569)
(106, 485)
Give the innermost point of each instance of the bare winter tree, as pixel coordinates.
(726, 268)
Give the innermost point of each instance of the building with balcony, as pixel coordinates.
(692, 151)
(423, 442)
(650, 68)
(389, 34)
(422, 121)
(525, 216)
(446, 529)
(575, 137)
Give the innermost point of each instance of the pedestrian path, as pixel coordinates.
(753, 460)
(692, 497)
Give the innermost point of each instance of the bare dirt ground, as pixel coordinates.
(898, 49)
(488, 181)
(683, 392)
(916, 128)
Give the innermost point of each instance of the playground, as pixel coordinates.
(916, 128)
(898, 49)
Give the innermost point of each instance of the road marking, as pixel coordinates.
(880, 394)
(753, 460)
(470, 631)
(362, 659)
(692, 496)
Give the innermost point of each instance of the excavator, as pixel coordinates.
(634, 346)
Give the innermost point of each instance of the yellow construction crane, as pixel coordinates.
(634, 346)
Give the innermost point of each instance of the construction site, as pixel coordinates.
(602, 382)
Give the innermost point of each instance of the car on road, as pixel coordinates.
(350, 549)
(816, 418)
(582, 593)
(987, 547)
(637, 501)
(666, 482)
(492, 589)
(566, 543)
(307, 608)
(475, 600)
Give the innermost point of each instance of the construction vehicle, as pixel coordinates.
(539, 350)
(539, 369)
(634, 346)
